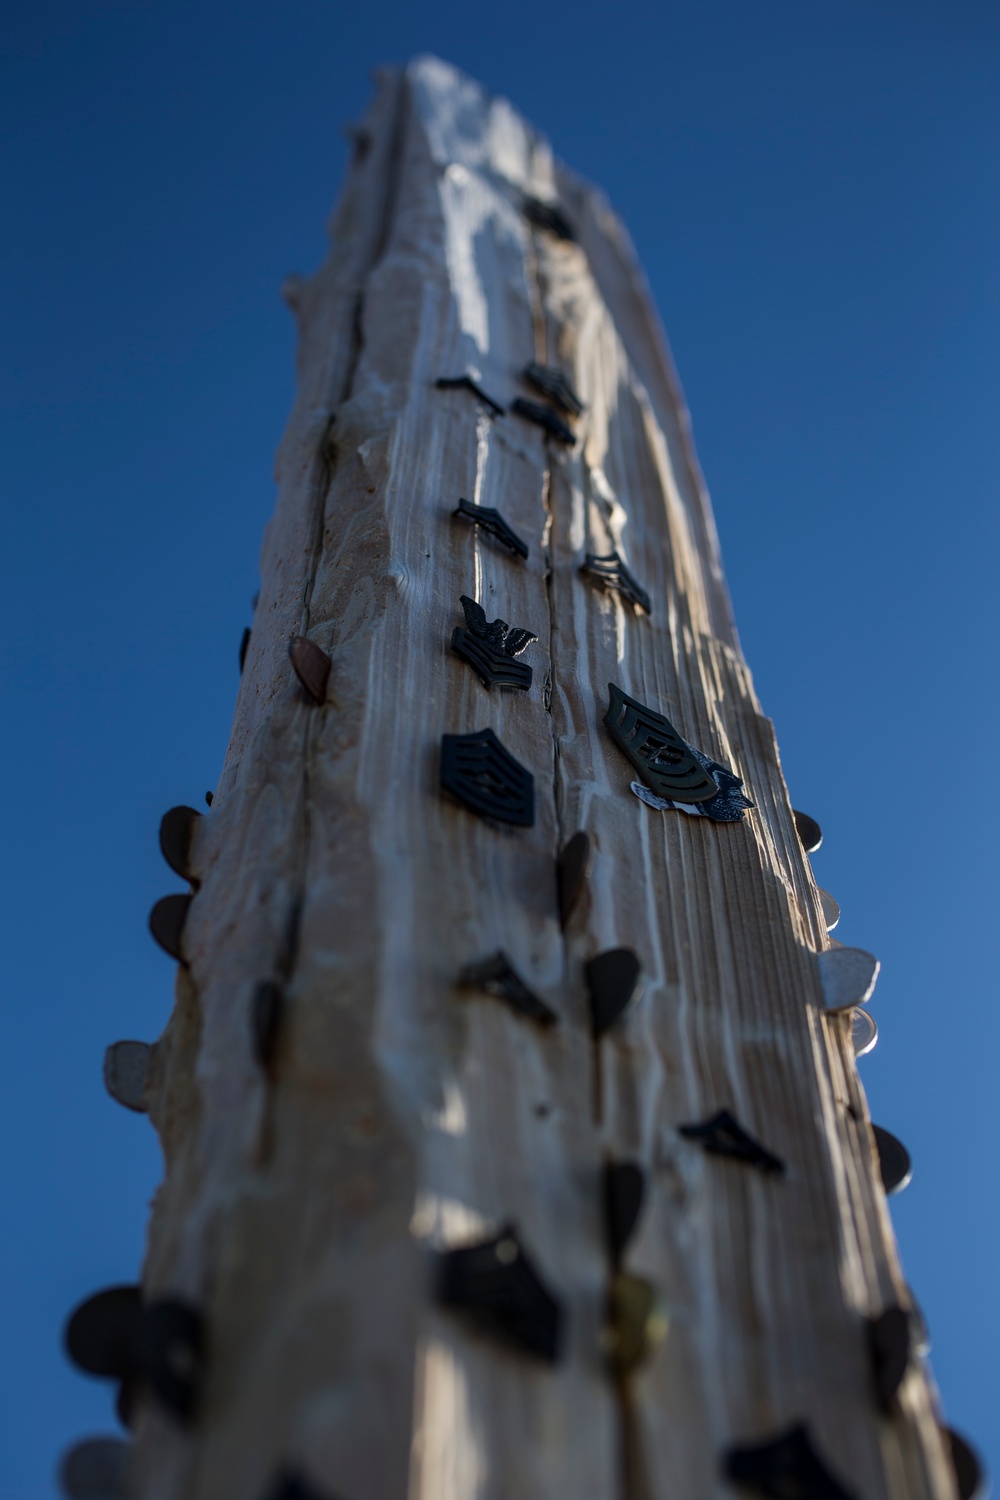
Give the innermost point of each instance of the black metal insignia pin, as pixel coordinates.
(244, 647)
(544, 416)
(573, 867)
(553, 383)
(496, 1284)
(624, 1190)
(94, 1469)
(548, 216)
(969, 1475)
(678, 774)
(613, 980)
(809, 832)
(490, 519)
(786, 1468)
(497, 976)
(479, 771)
(490, 646)
(159, 1344)
(469, 383)
(723, 1135)
(611, 573)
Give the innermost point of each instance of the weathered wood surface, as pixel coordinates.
(402, 1114)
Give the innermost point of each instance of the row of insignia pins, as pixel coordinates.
(156, 1347)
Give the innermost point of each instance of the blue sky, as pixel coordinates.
(813, 191)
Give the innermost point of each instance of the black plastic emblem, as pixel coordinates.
(612, 573)
(786, 1468)
(679, 775)
(613, 981)
(477, 770)
(177, 829)
(311, 665)
(553, 383)
(491, 646)
(889, 1343)
(544, 416)
(101, 1332)
(573, 867)
(490, 519)
(723, 1135)
(895, 1166)
(496, 1284)
(548, 216)
(497, 976)
(624, 1190)
(166, 923)
(469, 383)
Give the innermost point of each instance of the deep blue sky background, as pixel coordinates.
(813, 191)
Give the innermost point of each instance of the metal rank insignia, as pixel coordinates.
(495, 1284)
(786, 1468)
(723, 1135)
(469, 383)
(612, 573)
(479, 771)
(490, 519)
(553, 383)
(490, 647)
(679, 775)
(543, 416)
(548, 216)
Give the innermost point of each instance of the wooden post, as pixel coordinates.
(336, 1110)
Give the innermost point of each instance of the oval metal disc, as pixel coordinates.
(177, 828)
(613, 978)
(894, 1162)
(809, 832)
(126, 1068)
(847, 976)
(968, 1469)
(101, 1333)
(864, 1032)
(166, 923)
(94, 1469)
(831, 908)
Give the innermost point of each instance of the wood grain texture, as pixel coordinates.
(402, 1114)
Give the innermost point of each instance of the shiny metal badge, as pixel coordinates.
(491, 646)
(677, 773)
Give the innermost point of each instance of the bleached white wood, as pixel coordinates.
(400, 1114)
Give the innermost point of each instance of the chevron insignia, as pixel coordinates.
(544, 416)
(553, 383)
(786, 1468)
(612, 573)
(477, 770)
(664, 761)
(494, 1283)
(491, 646)
(723, 1135)
(490, 519)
